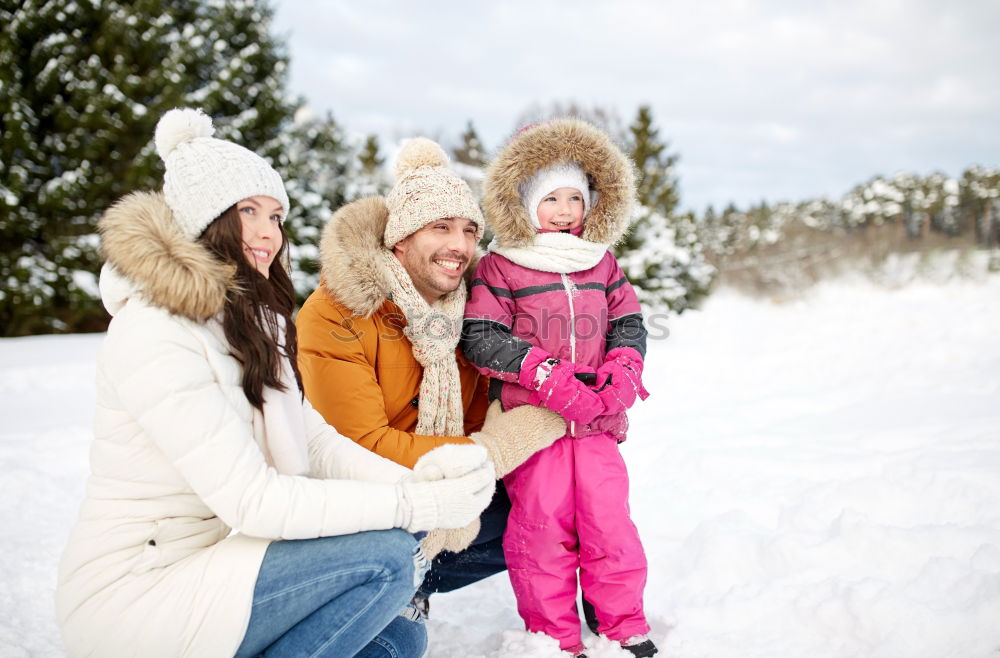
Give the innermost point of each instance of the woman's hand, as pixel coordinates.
(450, 487)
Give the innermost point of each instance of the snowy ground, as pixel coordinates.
(812, 479)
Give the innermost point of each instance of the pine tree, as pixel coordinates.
(736, 223)
(371, 179)
(717, 232)
(978, 201)
(83, 87)
(662, 254)
(369, 157)
(470, 151)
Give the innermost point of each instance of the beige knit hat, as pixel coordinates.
(426, 190)
(207, 175)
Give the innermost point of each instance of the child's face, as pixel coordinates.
(561, 209)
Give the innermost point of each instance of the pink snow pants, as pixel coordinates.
(569, 511)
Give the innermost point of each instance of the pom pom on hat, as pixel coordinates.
(419, 152)
(205, 175)
(426, 190)
(181, 125)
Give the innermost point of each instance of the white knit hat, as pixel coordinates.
(426, 190)
(205, 175)
(547, 180)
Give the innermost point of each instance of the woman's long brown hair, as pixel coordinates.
(250, 317)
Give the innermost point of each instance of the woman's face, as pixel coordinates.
(261, 217)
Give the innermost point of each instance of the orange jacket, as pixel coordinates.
(361, 375)
(357, 367)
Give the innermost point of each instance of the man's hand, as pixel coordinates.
(513, 436)
(454, 540)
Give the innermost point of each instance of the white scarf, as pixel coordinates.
(561, 253)
(284, 429)
(279, 427)
(433, 330)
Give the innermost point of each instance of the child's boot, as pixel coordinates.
(640, 646)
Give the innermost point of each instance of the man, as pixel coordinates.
(378, 345)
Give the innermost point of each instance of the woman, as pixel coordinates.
(222, 515)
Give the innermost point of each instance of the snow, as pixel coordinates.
(818, 478)
(87, 282)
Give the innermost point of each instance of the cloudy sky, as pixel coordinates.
(775, 100)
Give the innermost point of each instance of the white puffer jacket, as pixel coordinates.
(181, 503)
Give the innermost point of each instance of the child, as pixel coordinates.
(553, 320)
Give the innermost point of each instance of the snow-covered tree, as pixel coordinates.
(470, 151)
(316, 162)
(83, 84)
(979, 204)
(662, 254)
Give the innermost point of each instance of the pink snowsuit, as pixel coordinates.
(570, 501)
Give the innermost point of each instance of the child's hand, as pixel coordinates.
(619, 379)
(563, 393)
(557, 388)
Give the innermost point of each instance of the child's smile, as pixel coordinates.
(561, 209)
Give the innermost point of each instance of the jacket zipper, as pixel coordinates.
(568, 286)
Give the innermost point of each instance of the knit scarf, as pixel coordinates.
(560, 253)
(433, 330)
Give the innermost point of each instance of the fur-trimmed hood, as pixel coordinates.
(349, 265)
(611, 175)
(350, 268)
(148, 255)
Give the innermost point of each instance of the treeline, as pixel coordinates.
(82, 90)
(918, 206)
(775, 247)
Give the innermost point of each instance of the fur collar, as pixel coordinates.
(350, 268)
(611, 173)
(352, 274)
(141, 241)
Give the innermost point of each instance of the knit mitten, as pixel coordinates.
(454, 540)
(448, 460)
(619, 379)
(513, 436)
(557, 388)
(463, 490)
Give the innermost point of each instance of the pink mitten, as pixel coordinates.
(557, 388)
(620, 379)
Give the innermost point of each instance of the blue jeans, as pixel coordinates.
(483, 558)
(338, 597)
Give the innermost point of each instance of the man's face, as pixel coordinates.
(437, 255)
